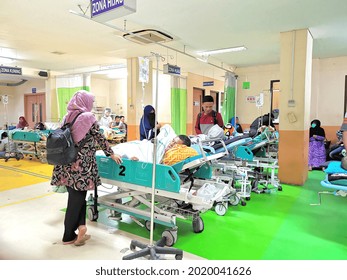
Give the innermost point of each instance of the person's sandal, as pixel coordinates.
(83, 240)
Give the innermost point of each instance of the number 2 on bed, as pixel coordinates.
(121, 170)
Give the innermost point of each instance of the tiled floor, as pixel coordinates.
(31, 227)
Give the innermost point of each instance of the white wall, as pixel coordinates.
(15, 107)
(164, 96)
(328, 90)
(259, 78)
(327, 93)
(118, 96)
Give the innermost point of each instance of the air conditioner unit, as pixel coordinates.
(147, 36)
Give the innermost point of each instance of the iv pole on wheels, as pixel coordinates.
(152, 250)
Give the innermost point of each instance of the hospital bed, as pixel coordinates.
(226, 171)
(335, 180)
(30, 143)
(246, 169)
(114, 135)
(260, 155)
(177, 190)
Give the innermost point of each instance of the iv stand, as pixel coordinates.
(158, 248)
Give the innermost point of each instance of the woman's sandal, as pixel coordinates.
(82, 241)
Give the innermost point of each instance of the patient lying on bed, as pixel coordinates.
(170, 148)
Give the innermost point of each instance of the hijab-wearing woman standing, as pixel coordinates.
(316, 151)
(147, 123)
(82, 174)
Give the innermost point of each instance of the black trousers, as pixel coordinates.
(75, 215)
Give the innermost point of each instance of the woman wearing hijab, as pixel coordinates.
(147, 123)
(316, 151)
(82, 174)
(236, 124)
(22, 123)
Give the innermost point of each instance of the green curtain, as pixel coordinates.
(228, 110)
(179, 110)
(64, 95)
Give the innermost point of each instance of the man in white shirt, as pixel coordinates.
(106, 118)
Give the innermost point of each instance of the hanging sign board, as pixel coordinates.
(143, 69)
(10, 70)
(5, 99)
(259, 102)
(171, 69)
(106, 10)
(208, 84)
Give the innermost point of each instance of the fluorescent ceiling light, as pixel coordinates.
(225, 50)
(6, 60)
(203, 58)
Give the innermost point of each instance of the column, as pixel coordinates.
(137, 96)
(295, 76)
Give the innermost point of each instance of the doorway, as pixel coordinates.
(198, 93)
(35, 108)
(215, 95)
(275, 96)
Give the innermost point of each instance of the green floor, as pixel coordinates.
(278, 226)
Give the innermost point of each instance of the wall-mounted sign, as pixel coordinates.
(251, 99)
(105, 10)
(10, 70)
(246, 85)
(171, 69)
(33, 90)
(208, 84)
(196, 103)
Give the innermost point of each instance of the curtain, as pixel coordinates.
(66, 88)
(229, 110)
(178, 105)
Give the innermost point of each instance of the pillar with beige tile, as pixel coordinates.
(295, 76)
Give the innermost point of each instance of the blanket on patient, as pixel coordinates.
(143, 150)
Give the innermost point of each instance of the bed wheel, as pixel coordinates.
(220, 208)
(148, 225)
(92, 216)
(179, 257)
(243, 203)
(280, 188)
(248, 198)
(234, 200)
(198, 225)
(170, 237)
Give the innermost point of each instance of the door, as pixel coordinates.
(35, 108)
(197, 104)
(275, 96)
(215, 95)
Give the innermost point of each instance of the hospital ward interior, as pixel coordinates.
(262, 174)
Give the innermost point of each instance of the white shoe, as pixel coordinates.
(341, 193)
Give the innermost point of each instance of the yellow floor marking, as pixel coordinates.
(26, 200)
(18, 174)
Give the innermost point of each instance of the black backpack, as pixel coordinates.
(214, 115)
(60, 147)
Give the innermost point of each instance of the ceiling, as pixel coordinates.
(46, 35)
